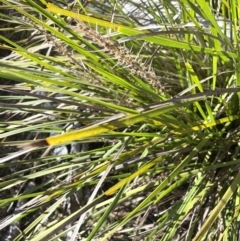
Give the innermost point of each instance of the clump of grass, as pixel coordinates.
(130, 130)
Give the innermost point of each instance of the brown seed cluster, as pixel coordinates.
(123, 56)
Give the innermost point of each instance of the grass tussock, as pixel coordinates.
(119, 120)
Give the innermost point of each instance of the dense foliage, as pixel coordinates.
(119, 120)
